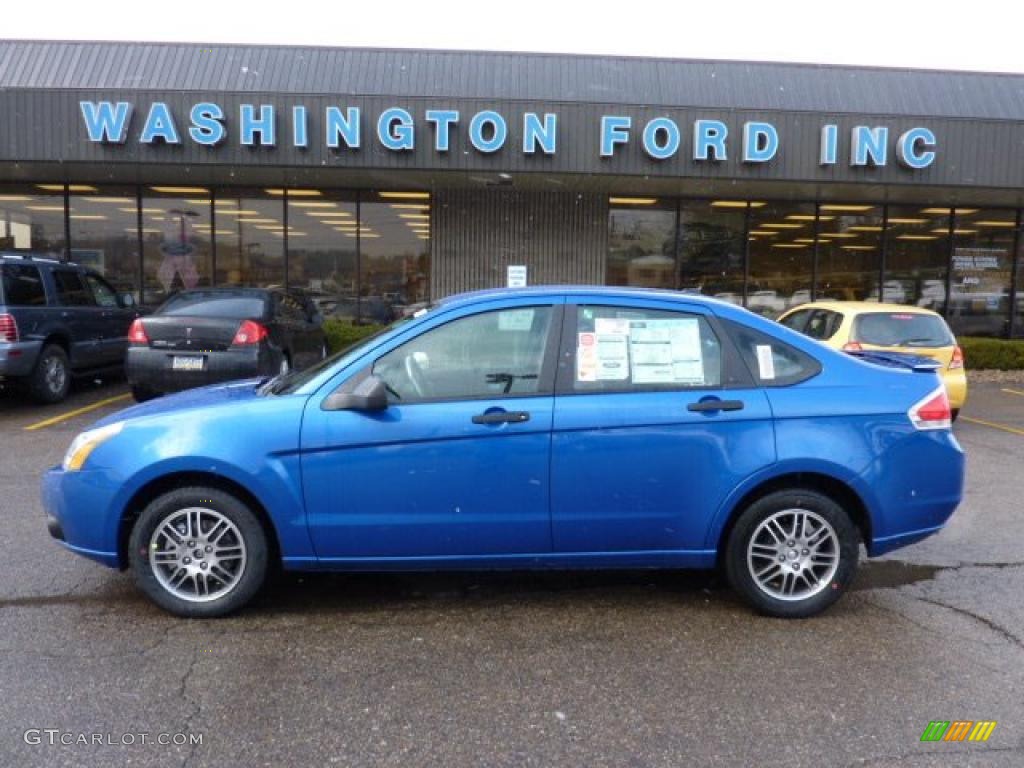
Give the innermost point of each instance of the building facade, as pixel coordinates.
(379, 179)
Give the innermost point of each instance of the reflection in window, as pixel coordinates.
(32, 219)
(394, 250)
(105, 234)
(711, 248)
(849, 251)
(781, 257)
(917, 251)
(979, 301)
(250, 238)
(176, 248)
(322, 249)
(641, 244)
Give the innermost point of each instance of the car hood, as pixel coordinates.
(189, 399)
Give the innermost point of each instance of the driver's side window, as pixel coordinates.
(489, 355)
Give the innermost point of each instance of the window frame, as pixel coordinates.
(813, 369)
(545, 381)
(734, 374)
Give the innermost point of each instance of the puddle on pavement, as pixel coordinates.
(886, 574)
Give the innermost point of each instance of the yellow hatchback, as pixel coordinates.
(868, 325)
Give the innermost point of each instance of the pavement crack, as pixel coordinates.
(997, 628)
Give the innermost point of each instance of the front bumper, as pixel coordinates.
(19, 358)
(152, 368)
(76, 506)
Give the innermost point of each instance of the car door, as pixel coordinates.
(82, 317)
(114, 320)
(656, 421)
(458, 464)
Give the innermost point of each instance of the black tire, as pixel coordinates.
(747, 525)
(50, 380)
(955, 414)
(141, 394)
(250, 576)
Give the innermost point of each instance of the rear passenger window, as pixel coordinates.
(823, 324)
(632, 349)
(72, 290)
(773, 363)
(796, 320)
(22, 286)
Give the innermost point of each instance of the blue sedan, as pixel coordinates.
(534, 428)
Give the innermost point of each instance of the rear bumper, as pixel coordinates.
(955, 382)
(152, 368)
(19, 358)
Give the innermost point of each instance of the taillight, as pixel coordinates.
(852, 346)
(957, 360)
(8, 328)
(932, 412)
(137, 333)
(249, 332)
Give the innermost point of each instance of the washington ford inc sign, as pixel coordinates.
(397, 130)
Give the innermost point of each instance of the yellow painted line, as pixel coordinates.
(76, 412)
(1009, 391)
(994, 425)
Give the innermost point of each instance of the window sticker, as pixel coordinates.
(666, 351)
(765, 362)
(515, 320)
(586, 357)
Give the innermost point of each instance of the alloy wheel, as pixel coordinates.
(197, 554)
(793, 554)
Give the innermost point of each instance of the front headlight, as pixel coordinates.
(86, 443)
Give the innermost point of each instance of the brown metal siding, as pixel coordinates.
(561, 237)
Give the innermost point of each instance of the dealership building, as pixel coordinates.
(379, 179)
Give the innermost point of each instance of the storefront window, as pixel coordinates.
(32, 219)
(322, 248)
(105, 234)
(176, 237)
(781, 240)
(917, 252)
(1018, 326)
(979, 301)
(711, 247)
(394, 253)
(849, 251)
(641, 243)
(250, 237)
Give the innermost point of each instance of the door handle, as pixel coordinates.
(501, 417)
(705, 406)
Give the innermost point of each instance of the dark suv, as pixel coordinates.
(58, 319)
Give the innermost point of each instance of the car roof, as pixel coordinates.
(863, 307)
(24, 257)
(597, 291)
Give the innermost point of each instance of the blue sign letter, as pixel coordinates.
(868, 145)
(395, 129)
(159, 125)
(614, 130)
(709, 137)
(498, 131)
(661, 125)
(442, 120)
(300, 128)
(105, 122)
(908, 150)
(760, 142)
(829, 144)
(537, 134)
(342, 128)
(250, 125)
(207, 128)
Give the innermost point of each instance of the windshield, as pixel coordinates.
(901, 329)
(235, 306)
(290, 382)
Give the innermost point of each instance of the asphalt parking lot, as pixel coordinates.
(562, 669)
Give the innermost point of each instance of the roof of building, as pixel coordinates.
(530, 77)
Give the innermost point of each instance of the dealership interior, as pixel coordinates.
(368, 253)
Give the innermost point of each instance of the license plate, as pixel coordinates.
(182, 363)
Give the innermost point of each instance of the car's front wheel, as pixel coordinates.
(792, 553)
(198, 552)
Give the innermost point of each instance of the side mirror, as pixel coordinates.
(127, 300)
(370, 394)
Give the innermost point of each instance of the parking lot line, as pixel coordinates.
(994, 425)
(77, 412)
(1009, 391)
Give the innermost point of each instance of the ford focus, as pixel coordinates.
(536, 428)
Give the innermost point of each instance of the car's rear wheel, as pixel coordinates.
(792, 553)
(198, 552)
(50, 380)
